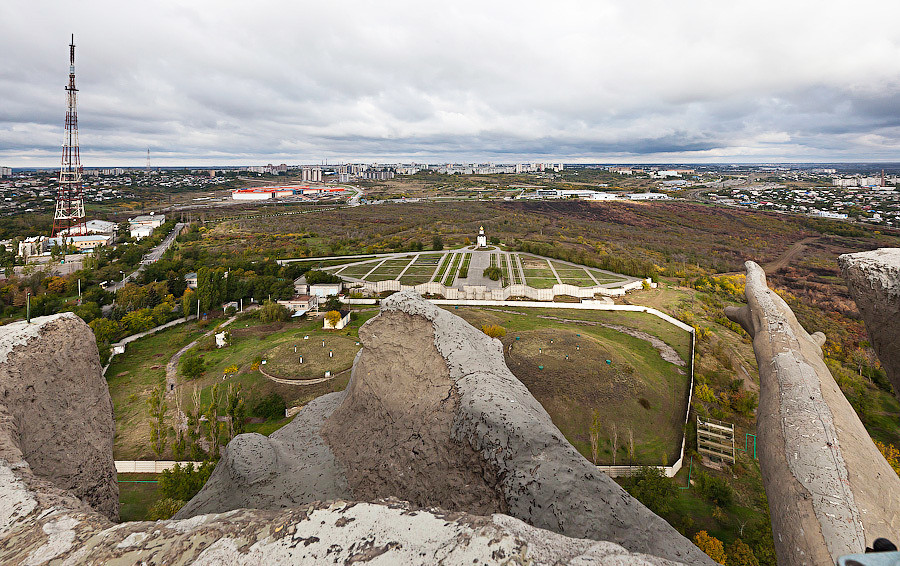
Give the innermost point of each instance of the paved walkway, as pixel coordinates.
(479, 262)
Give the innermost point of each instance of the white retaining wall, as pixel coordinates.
(482, 293)
(148, 466)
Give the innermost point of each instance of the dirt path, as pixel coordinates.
(789, 255)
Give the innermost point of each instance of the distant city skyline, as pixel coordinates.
(216, 84)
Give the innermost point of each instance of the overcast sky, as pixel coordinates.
(594, 81)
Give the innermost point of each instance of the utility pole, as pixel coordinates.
(28, 307)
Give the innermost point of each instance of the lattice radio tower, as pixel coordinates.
(70, 195)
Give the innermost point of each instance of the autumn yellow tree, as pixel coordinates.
(891, 454)
(333, 318)
(739, 554)
(711, 546)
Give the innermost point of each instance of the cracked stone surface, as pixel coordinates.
(43, 523)
(433, 416)
(55, 402)
(830, 491)
(873, 279)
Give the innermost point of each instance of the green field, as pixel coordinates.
(335, 356)
(133, 375)
(137, 492)
(638, 392)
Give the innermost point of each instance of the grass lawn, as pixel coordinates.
(605, 276)
(132, 376)
(637, 391)
(540, 282)
(679, 339)
(444, 263)
(414, 279)
(282, 360)
(137, 492)
(376, 277)
(358, 271)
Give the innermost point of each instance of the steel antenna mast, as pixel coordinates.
(69, 213)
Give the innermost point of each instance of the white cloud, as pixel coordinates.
(221, 82)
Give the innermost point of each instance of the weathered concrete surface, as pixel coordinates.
(830, 491)
(291, 467)
(433, 416)
(874, 282)
(393, 432)
(40, 523)
(55, 402)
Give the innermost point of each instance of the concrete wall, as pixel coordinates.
(482, 293)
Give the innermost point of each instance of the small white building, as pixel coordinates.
(81, 243)
(191, 279)
(481, 239)
(649, 196)
(345, 320)
(300, 304)
(142, 226)
(92, 227)
(300, 286)
(323, 290)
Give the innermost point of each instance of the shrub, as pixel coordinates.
(164, 509)
(273, 312)
(711, 546)
(493, 273)
(192, 365)
(704, 393)
(714, 489)
(271, 406)
(183, 482)
(493, 330)
(652, 488)
(739, 554)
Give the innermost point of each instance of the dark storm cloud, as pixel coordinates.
(219, 82)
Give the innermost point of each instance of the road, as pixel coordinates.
(151, 257)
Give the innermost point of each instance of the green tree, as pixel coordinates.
(211, 287)
(272, 406)
(158, 407)
(105, 330)
(138, 321)
(235, 410)
(493, 273)
(192, 365)
(437, 243)
(182, 483)
(189, 303)
(273, 312)
(161, 313)
(652, 488)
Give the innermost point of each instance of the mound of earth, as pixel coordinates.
(433, 416)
